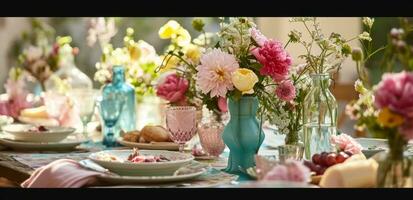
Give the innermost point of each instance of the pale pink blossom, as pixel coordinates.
(275, 60)
(17, 98)
(291, 170)
(285, 91)
(346, 143)
(214, 73)
(258, 37)
(222, 104)
(173, 88)
(62, 108)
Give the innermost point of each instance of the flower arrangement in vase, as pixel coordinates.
(386, 109)
(323, 56)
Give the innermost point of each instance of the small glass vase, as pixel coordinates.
(210, 136)
(320, 116)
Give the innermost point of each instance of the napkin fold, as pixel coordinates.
(62, 173)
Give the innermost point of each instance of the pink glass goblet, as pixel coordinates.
(210, 136)
(181, 123)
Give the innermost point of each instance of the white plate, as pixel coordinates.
(372, 146)
(117, 180)
(142, 169)
(53, 134)
(151, 146)
(35, 146)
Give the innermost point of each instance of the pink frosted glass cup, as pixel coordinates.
(181, 123)
(210, 136)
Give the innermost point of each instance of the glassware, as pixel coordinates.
(181, 123)
(127, 120)
(111, 107)
(294, 152)
(320, 116)
(85, 100)
(210, 136)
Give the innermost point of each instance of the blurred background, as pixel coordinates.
(11, 30)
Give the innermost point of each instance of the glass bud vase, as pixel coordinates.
(320, 116)
(243, 134)
(210, 135)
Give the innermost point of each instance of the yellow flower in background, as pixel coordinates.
(168, 65)
(389, 119)
(182, 37)
(192, 52)
(244, 80)
(168, 30)
(134, 51)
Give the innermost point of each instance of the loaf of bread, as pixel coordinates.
(151, 133)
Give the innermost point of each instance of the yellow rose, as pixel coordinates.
(389, 119)
(244, 80)
(182, 37)
(168, 30)
(193, 52)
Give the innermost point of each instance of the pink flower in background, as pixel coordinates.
(275, 60)
(214, 73)
(285, 91)
(173, 88)
(395, 91)
(346, 143)
(222, 104)
(61, 108)
(291, 170)
(407, 129)
(17, 98)
(258, 37)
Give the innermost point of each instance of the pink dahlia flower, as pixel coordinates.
(285, 91)
(395, 91)
(173, 88)
(346, 143)
(258, 37)
(214, 73)
(275, 60)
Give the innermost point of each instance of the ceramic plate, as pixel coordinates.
(20, 132)
(127, 168)
(151, 146)
(35, 146)
(118, 180)
(372, 146)
(271, 184)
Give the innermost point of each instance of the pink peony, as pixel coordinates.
(222, 104)
(285, 91)
(275, 60)
(173, 88)
(346, 143)
(395, 91)
(258, 37)
(292, 170)
(215, 71)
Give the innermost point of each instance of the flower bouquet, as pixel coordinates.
(386, 109)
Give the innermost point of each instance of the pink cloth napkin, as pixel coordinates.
(62, 173)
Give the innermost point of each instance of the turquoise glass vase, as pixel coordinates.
(243, 134)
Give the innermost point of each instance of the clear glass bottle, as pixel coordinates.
(127, 119)
(320, 116)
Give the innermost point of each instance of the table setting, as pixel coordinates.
(232, 111)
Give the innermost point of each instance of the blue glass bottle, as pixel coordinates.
(127, 119)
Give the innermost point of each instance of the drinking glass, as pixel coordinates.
(110, 109)
(181, 123)
(210, 136)
(85, 100)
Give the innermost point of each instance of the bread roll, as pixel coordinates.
(155, 134)
(132, 136)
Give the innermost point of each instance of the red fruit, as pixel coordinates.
(331, 160)
(323, 159)
(341, 157)
(322, 170)
(316, 158)
(317, 169)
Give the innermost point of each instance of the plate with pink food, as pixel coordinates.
(141, 162)
(39, 134)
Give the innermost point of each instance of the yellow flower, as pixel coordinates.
(244, 80)
(168, 30)
(193, 52)
(168, 65)
(389, 119)
(182, 37)
(134, 50)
